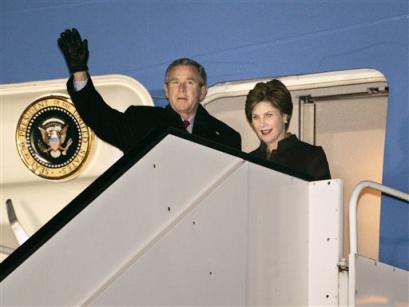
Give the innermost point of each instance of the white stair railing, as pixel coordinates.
(353, 241)
(18, 231)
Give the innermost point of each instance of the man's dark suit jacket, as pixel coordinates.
(126, 130)
(298, 156)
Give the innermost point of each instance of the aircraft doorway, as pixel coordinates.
(345, 112)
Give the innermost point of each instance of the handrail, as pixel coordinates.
(20, 234)
(353, 204)
(6, 250)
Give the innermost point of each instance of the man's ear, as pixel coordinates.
(166, 91)
(203, 92)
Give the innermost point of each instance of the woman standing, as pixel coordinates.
(268, 110)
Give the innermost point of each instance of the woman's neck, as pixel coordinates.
(273, 146)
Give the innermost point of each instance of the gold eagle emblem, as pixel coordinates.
(52, 140)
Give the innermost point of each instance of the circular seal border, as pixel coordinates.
(75, 163)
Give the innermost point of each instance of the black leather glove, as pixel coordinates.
(75, 50)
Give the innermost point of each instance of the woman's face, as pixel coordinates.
(268, 123)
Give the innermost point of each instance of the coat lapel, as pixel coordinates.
(173, 118)
(203, 125)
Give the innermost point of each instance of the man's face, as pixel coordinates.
(184, 89)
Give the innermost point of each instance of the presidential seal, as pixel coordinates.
(52, 140)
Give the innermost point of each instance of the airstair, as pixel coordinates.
(188, 222)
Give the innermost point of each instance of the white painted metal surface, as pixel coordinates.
(278, 239)
(325, 241)
(373, 292)
(37, 199)
(378, 284)
(198, 259)
(233, 233)
(295, 83)
(121, 224)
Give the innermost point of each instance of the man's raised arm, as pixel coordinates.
(75, 52)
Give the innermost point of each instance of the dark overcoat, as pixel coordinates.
(298, 156)
(126, 130)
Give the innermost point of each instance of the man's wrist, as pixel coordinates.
(80, 76)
